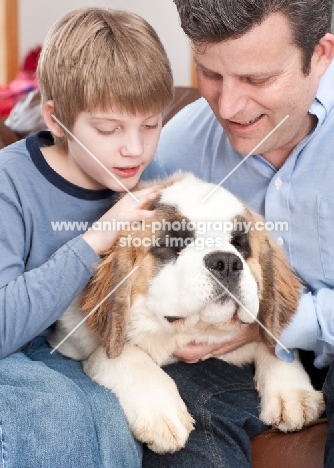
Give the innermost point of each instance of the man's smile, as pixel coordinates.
(244, 125)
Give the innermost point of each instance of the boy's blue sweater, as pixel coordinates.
(43, 265)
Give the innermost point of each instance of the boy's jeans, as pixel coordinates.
(53, 416)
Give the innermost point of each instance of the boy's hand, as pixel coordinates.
(126, 209)
(195, 352)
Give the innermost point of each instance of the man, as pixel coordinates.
(264, 130)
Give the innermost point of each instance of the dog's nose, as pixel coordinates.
(224, 265)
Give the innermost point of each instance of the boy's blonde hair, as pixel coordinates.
(96, 58)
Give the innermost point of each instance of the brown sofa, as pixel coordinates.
(271, 449)
(303, 449)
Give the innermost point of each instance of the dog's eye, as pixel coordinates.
(167, 247)
(240, 241)
(162, 242)
(172, 319)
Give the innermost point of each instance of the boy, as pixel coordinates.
(104, 80)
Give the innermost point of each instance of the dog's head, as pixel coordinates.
(204, 257)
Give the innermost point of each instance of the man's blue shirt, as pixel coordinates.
(300, 194)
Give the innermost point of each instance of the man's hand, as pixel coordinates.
(194, 352)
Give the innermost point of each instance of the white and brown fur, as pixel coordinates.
(171, 300)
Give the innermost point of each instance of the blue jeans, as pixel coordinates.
(225, 404)
(328, 390)
(53, 416)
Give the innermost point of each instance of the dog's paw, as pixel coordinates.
(290, 409)
(155, 411)
(163, 429)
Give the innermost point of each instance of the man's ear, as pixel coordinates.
(324, 53)
(53, 126)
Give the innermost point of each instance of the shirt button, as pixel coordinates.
(278, 182)
(280, 241)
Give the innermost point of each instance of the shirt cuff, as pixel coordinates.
(88, 257)
(302, 332)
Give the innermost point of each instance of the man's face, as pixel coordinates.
(252, 83)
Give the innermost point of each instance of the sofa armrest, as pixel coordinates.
(302, 449)
(183, 95)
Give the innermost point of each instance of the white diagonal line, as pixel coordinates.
(245, 308)
(94, 157)
(246, 157)
(93, 310)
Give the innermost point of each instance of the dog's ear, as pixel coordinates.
(108, 293)
(280, 291)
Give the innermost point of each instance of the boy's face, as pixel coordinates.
(123, 143)
(253, 82)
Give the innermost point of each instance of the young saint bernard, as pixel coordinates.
(190, 286)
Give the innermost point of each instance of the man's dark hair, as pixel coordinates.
(214, 21)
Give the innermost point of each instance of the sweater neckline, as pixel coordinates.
(44, 138)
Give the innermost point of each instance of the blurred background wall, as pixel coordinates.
(35, 18)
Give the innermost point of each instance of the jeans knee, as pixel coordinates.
(94, 417)
(68, 407)
(59, 418)
(47, 429)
